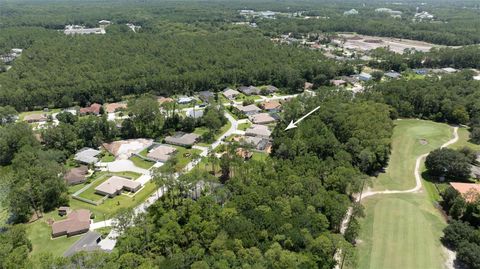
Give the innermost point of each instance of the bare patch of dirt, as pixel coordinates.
(423, 142)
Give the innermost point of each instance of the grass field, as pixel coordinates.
(400, 231)
(404, 230)
(463, 140)
(139, 162)
(406, 147)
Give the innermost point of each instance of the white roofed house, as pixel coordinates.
(161, 153)
(115, 185)
(184, 100)
(87, 156)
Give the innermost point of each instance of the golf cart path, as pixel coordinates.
(449, 263)
(418, 176)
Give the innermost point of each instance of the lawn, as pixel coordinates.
(139, 162)
(244, 126)
(182, 159)
(404, 230)
(39, 233)
(463, 140)
(406, 147)
(51, 111)
(400, 231)
(107, 157)
(99, 179)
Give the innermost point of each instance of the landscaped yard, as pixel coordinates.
(411, 138)
(185, 156)
(463, 140)
(98, 179)
(22, 115)
(107, 157)
(39, 233)
(404, 230)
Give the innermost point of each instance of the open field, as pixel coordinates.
(463, 140)
(398, 45)
(404, 230)
(408, 142)
(139, 162)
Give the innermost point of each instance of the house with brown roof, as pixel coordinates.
(243, 153)
(161, 100)
(115, 185)
(77, 222)
(250, 90)
(93, 109)
(76, 175)
(469, 191)
(338, 82)
(35, 118)
(161, 153)
(271, 106)
(262, 118)
(114, 107)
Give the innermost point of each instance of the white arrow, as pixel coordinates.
(294, 124)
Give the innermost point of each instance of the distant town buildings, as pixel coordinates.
(350, 12)
(82, 30)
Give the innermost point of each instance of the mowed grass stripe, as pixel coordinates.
(402, 237)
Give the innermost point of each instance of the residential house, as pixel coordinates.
(250, 90)
(184, 100)
(350, 12)
(257, 143)
(104, 22)
(308, 86)
(87, 156)
(422, 72)
(364, 77)
(262, 118)
(258, 131)
(88, 242)
(32, 118)
(230, 93)
(114, 107)
(249, 110)
(469, 191)
(76, 175)
(271, 106)
(161, 100)
(449, 70)
(115, 185)
(338, 82)
(195, 113)
(392, 75)
(206, 96)
(182, 139)
(77, 222)
(92, 109)
(271, 89)
(161, 153)
(125, 148)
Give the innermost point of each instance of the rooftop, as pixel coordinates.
(182, 139)
(469, 191)
(249, 108)
(262, 118)
(161, 153)
(77, 221)
(87, 156)
(258, 130)
(76, 175)
(112, 107)
(125, 148)
(269, 105)
(116, 184)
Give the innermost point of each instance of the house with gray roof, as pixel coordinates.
(249, 110)
(182, 139)
(392, 75)
(87, 156)
(115, 185)
(261, 131)
(206, 96)
(161, 153)
(195, 113)
(250, 90)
